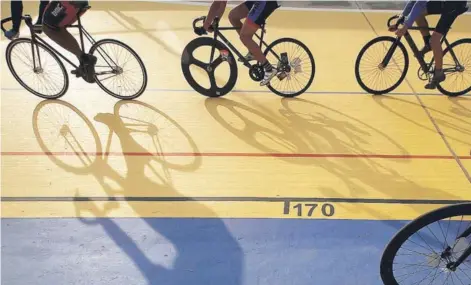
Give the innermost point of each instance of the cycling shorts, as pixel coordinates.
(259, 11)
(59, 14)
(449, 11)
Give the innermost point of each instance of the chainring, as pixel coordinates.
(423, 75)
(256, 72)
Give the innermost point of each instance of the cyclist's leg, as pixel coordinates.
(447, 18)
(423, 23)
(42, 7)
(236, 15)
(57, 16)
(257, 17)
(433, 8)
(16, 13)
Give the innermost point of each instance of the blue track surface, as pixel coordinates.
(193, 251)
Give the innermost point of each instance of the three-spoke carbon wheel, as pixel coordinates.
(197, 54)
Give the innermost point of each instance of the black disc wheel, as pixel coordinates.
(370, 73)
(200, 71)
(295, 64)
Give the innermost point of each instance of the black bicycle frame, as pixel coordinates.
(35, 38)
(217, 34)
(416, 51)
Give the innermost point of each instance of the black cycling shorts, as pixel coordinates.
(259, 11)
(449, 11)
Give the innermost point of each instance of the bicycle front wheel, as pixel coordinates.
(457, 67)
(421, 251)
(300, 63)
(119, 70)
(200, 73)
(370, 73)
(37, 68)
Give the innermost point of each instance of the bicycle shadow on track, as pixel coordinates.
(140, 178)
(321, 132)
(459, 112)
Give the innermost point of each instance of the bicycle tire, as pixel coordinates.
(439, 86)
(141, 90)
(387, 259)
(311, 59)
(8, 54)
(362, 52)
(187, 59)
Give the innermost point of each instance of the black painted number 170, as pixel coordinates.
(309, 209)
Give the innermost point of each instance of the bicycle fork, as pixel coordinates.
(453, 265)
(389, 54)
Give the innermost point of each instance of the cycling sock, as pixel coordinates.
(267, 66)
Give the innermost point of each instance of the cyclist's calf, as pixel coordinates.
(63, 38)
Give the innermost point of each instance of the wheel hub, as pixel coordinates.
(118, 70)
(38, 70)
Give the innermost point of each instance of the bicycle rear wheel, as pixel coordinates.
(369, 70)
(301, 67)
(458, 73)
(432, 265)
(37, 68)
(119, 70)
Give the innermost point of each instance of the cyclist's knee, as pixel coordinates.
(234, 17)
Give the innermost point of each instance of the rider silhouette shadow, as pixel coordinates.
(204, 249)
(302, 126)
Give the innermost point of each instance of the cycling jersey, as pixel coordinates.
(447, 9)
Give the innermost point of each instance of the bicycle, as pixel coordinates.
(451, 256)
(37, 63)
(256, 71)
(425, 71)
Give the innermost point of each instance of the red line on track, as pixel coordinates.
(234, 154)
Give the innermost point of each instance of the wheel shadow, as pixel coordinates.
(301, 126)
(139, 169)
(458, 113)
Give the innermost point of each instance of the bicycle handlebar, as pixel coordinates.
(203, 18)
(399, 21)
(27, 18)
(6, 20)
